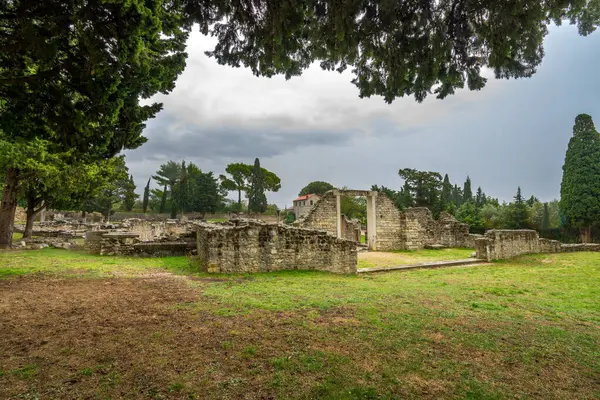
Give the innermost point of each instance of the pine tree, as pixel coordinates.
(257, 200)
(130, 196)
(457, 196)
(580, 187)
(517, 213)
(467, 192)
(446, 194)
(146, 198)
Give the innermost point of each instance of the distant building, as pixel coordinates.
(303, 204)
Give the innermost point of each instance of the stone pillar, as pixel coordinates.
(372, 221)
(43, 214)
(338, 214)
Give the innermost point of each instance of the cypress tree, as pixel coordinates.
(580, 187)
(467, 192)
(146, 196)
(446, 195)
(257, 200)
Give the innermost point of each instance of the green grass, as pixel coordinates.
(17, 236)
(73, 263)
(525, 328)
(404, 257)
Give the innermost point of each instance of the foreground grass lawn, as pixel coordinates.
(79, 326)
(393, 258)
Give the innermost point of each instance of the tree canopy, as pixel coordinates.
(316, 187)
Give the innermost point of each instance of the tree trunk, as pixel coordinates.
(8, 208)
(239, 200)
(28, 233)
(84, 216)
(586, 234)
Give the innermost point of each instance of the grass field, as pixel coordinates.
(79, 326)
(389, 259)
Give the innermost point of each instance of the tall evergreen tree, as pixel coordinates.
(163, 199)
(180, 196)
(446, 195)
(405, 198)
(467, 192)
(479, 198)
(517, 212)
(257, 200)
(457, 196)
(546, 218)
(580, 187)
(146, 198)
(130, 196)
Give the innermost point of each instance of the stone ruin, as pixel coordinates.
(136, 237)
(241, 246)
(388, 228)
(501, 244)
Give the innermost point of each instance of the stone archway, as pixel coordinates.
(371, 214)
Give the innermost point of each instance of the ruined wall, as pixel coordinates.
(421, 229)
(322, 216)
(500, 244)
(252, 246)
(128, 244)
(390, 229)
(351, 229)
(155, 230)
(411, 229)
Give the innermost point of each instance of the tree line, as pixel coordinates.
(107, 186)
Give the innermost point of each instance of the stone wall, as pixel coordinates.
(411, 229)
(253, 246)
(322, 216)
(390, 228)
(500, 244)
(129, 244)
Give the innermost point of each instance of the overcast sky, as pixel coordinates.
(315, 127)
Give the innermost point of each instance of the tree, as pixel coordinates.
(457, 196)
(240, 180)
(130, 196)
(72, 75)
(491, 216)
(479, 198)
(469, 214)
(169, 175)
(424, 186)
(405, 197)
(396, 48)
(517, 213)
(146, 198)
(580, 187)
(180, 192)
(446, 195)
(467, 192)
(545, 219)
(114, 189)
(532, 200)
(257, 200)
(205, 187)
(163, 200)
(316, 187)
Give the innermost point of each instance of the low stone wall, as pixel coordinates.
(129, 244)
(253, 246)
(500, 244)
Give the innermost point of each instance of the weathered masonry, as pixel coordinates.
(388, 228)
(254, 246)
(501, 244)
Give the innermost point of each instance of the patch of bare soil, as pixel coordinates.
(135, 338)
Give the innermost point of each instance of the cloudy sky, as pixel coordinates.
(314, 127)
